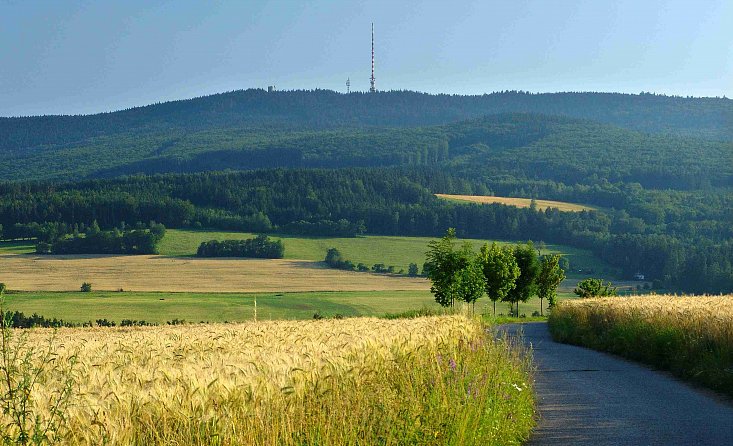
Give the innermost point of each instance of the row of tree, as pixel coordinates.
(504, 273)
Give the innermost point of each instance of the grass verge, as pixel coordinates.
(691, 336)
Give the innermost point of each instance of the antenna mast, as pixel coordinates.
(372, 88)
(348, 85)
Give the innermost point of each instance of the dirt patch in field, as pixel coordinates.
(158, 273)
(518, 202)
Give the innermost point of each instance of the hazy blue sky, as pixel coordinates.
(88, 56)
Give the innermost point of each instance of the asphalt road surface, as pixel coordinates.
(590, 398)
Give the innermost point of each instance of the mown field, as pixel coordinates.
(396, 251)
(692, 336)
(159, 308)
(176, 270)
(80, 307)
(519, 202)
(160, 273)
(432, 381)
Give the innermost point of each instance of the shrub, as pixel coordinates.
(594, 288)
(412, 270)
(86, 287)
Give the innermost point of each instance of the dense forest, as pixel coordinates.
(328, 109)
(255, 129)
(681, 239)
(520, 145)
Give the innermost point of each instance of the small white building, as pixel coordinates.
(639, 276)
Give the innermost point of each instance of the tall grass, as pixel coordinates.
(692, 336)
(431, 380)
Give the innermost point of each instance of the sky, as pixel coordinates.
(82, 57)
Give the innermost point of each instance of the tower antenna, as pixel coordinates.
(348, 85)
(373, 87)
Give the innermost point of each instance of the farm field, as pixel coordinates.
(159, 273)
(159, 308)
(692, 336)
(390, 250)
(519, 202)
(281, 382)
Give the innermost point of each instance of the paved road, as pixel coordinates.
(591, 398)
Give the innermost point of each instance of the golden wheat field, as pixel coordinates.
(351, 381)
(694, 312)
(519, 202)
(176, 274)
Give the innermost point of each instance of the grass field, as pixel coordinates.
(519, 202)
(690, 335)
(431, 381)
(78, 307)
(397, 251)
(17, 247)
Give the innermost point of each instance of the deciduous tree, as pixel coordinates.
(549, 278)
(500, 271)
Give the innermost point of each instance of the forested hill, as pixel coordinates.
(321, 109)
(520, 145)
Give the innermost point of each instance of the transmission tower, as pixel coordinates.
(348, 85)
(373, 87)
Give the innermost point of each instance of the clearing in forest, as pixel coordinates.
(519, 202)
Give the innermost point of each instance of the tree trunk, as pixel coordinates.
(541, 314)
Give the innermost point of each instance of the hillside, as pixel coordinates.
(710, 117)
(522, 145)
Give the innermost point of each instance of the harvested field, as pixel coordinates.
(519, 202)
(158, 273)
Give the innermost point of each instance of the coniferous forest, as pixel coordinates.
(658, 169)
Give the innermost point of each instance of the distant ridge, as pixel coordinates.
(710, 118)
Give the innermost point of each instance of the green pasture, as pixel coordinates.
(218, 307)
(389, 250)
(17, 247)
(211, 307)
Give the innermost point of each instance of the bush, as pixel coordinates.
(335, 260)
(412, 270)
(594, 288)
(86, 287)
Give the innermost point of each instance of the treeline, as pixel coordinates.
(260, 247)
(680, 239)
(334, 259)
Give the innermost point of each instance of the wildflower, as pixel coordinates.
(452, 364)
